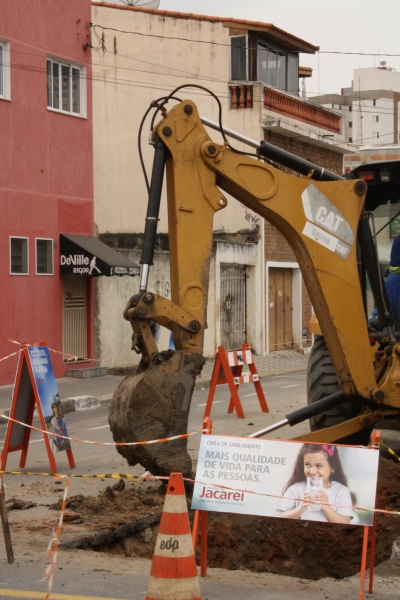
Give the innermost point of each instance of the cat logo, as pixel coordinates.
(328, 219)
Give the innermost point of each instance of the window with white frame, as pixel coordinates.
(375, 135)
(19, 256)
(4, 70)
(44, 256)
(65, 87)
(375, 118)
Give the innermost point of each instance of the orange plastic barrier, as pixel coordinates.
(228, 369)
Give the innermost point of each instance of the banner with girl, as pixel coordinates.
(294, 480)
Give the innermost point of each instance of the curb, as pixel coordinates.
(80, 403)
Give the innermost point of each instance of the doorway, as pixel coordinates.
(284, 306)
(233, 305)
(74, 291)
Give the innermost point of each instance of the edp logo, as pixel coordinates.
(169, 545)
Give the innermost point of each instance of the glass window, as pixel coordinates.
(281, 71)
(64, 89)
(239, 58)
(1, 71)
(375, 135)
(44, 257)
(350, 139)
(56, 87)
(350, 108)
(4, 70)
(272, 68)
(262, 63)
(350, 123)
(76, 90)
(18, 255)
(375, 119)
(292, 74)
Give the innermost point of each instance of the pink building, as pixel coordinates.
(46, 176)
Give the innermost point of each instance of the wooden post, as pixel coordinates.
(5, 524)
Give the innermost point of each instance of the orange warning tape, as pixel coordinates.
(64, 437)
(72, 358)
(225, 487)
(52, 548)
(9, 356)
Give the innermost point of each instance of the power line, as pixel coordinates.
(169, 87)
(165, 37)
(188, 73)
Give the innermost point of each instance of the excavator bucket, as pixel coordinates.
(153, 405)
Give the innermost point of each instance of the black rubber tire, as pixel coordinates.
(321, 382)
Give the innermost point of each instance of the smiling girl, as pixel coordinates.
(317, 481)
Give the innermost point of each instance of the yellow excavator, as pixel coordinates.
(327, 222)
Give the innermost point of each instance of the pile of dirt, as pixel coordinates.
(125, 522)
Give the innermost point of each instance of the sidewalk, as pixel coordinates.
(83, 394)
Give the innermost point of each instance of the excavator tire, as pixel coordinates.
(155, 404)
(321, 382)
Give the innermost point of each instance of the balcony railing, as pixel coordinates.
(242, 96)
(285, 104)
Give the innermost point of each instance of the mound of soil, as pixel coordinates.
(303, 549)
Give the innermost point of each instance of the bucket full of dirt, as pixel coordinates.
(155, 404)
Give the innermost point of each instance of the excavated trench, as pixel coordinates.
(126, 520)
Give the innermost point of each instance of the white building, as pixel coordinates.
(370, 106)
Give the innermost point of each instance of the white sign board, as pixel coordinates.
(317, 482)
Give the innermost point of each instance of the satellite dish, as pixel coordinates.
(139, 3)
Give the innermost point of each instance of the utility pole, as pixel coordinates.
(360, 117)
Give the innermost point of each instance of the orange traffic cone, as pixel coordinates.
(173, 574)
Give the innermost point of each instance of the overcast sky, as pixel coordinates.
(365, 26)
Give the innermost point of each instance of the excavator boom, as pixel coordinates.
(319, 219)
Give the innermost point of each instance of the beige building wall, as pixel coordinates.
(141, 57)
(129, 71)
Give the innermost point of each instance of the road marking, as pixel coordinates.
(248, 395)
(215, 402)
(288, 386)
(6, 593)
(101, 427)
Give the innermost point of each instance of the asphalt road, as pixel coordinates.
(283, 393)
(117, 578)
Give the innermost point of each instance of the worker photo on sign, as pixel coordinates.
(59, 426)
